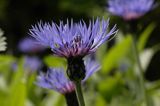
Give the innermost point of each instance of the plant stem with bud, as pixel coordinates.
(76, 73)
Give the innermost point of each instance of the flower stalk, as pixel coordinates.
(141, 71)
(71, 99)
(77, 72)
(79, 93)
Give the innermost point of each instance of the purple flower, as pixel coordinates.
(56, 79)
(14, 66)
(73, 39)
(130, 9)
(32, 63)
(28, 45)
(91, 67)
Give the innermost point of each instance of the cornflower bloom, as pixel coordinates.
(28, 45)
(73, 41)
(130, 9)
(56, 79)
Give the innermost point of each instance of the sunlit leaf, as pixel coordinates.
(53, 61)
(116, 53)
(3, 84)
(100, 101)
(145, 57)
(17, 95)
(145, 36)
(53, 99)
(108, 87)
(6, 61)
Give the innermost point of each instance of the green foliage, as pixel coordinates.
(53, 61)
(100, 101)
(6, 60)
(145, 36)
(116, 53)
(146, 57)
(111, 86)
(17, 95)
(21, 89)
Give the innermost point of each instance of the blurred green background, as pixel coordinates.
(116, 84)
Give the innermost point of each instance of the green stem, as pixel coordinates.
(79, 93)
(141, 71)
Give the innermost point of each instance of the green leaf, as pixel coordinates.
(31, 82)
(3, 90)
(6, 65)
(108, 87)
(145, 57)
(116, 53)
(17, 95)
(53, 99)
(6, 61)
(100, 101)
(155, 97)
(3, 98)
(145, 36)
(53, 61)
(3, 84)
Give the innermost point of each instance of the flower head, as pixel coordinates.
(28, 45)
(130, 9)
(56, 79)
(74, 39)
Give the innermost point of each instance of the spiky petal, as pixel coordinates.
(73, 39)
